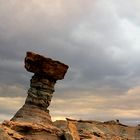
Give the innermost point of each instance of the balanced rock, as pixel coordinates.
(33, 120)
(45, 66)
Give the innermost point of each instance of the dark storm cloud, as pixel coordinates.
(24, 28)
(82, 39)
(98, 39)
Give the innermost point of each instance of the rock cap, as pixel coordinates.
(45, 66)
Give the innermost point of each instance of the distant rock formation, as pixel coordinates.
(33, 121)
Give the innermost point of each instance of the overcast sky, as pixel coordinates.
(98, 39)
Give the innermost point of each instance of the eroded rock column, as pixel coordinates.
(46, 73)
(41, 91)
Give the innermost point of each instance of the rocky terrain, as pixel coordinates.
(33, 121)
(94, 130)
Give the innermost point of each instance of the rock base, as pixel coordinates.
(29, 131)
(32, 114)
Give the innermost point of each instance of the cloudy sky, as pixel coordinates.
(98, 39)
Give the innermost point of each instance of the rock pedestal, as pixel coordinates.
(46, 73)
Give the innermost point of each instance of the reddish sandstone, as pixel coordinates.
(39, 64)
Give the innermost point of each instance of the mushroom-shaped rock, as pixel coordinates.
(45, 66)
(46, 72)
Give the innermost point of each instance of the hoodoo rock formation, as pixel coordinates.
(33, 121)
(46, 73)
